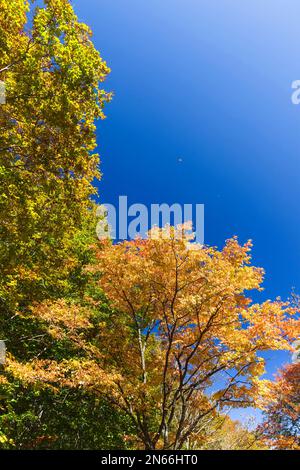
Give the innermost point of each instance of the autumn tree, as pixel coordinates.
(281, 426)
(224, 433)
(52, 75)
(183, 324)
(182, 341)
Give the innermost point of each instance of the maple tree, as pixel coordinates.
(184, 324)
(281, 426)
(182, 340)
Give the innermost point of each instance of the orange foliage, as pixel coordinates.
(281, 427)
(181, 326)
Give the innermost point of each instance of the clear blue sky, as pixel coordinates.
(208, 81)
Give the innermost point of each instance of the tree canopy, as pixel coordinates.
(281, 426)
(52, 75)
(181, 340)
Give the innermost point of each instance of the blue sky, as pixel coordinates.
(208, 81)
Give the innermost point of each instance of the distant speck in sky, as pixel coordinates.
(179, 160)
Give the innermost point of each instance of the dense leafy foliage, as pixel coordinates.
(142, 344)
(281, 427)
(52, 75)
(51, 72)
(179, 324)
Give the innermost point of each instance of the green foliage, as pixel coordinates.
(69, 419)
(52, 74)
